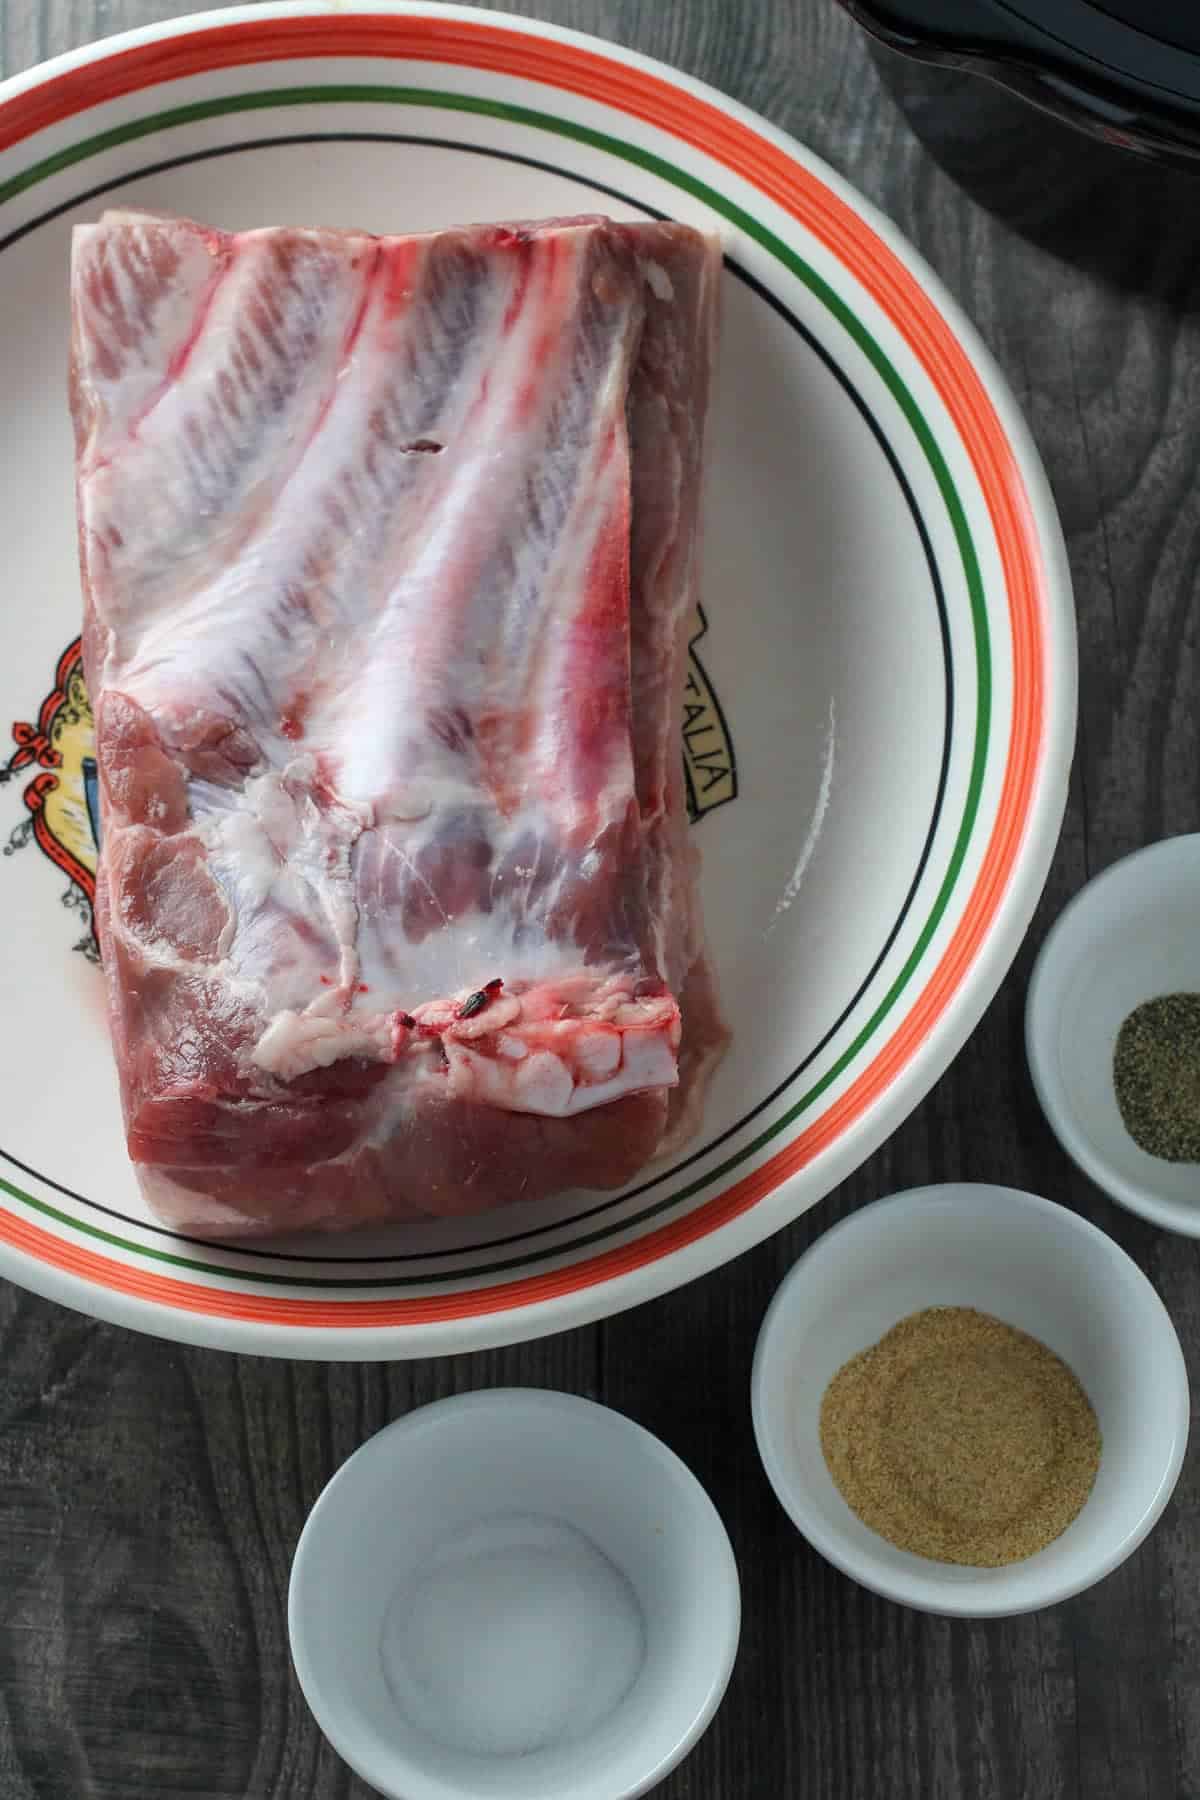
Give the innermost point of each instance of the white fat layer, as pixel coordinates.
(543, 1082)
(294, 1043)
(657, 279)
(281, 856)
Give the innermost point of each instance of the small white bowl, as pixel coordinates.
(449, 1475)
(1034, 1265)
(1130, 935)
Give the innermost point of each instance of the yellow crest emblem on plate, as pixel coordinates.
(56, 754)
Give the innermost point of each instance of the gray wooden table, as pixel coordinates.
(150, 1496)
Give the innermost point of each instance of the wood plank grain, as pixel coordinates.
(151, 1496)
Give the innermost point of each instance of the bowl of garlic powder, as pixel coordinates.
(970, 1400)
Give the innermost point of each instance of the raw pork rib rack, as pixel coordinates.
(389, 555)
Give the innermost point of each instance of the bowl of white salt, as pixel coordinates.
(513, 1594)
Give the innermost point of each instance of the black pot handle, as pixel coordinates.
(1153, 105)
(937, 31)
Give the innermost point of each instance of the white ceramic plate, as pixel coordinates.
(884, 694)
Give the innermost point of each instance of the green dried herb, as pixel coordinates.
(1156, 1073)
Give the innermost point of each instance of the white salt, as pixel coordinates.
(518, 1635)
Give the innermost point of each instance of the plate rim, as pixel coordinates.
(471, 1319)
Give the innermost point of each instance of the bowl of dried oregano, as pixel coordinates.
(1112, 1028)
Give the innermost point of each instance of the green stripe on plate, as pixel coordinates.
(275, 98)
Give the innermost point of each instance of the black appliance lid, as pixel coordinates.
(1143, 49)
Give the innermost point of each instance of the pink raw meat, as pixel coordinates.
(389, 550)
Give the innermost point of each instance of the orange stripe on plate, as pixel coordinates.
(646, 96)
